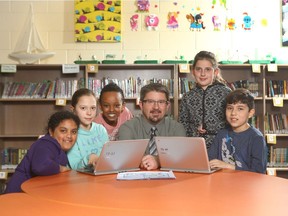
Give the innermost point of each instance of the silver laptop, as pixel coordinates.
(184, 154)
(118, 156)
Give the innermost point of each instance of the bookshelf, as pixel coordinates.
(276, 129)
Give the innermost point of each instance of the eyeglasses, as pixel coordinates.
(206, 69)
(153, 102)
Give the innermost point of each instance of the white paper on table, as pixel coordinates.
(146, 175)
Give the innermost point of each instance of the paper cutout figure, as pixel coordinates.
(152, 22)
(216, 23)
(134, 22)
(172, 20)
(195, 22)
(247, 22)
(143, 5)
(231, 24)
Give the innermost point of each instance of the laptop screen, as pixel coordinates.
(119, 156)
(187, 154)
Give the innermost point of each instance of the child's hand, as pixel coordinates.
(64, 168)
(215, 163)
(93, 159)
(201, 130)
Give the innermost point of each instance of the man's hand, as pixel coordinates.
(150, 162)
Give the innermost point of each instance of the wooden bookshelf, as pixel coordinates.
(276, 120)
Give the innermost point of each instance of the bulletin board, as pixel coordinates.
(97, 21)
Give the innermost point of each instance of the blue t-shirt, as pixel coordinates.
(246, 150)
(88, 142)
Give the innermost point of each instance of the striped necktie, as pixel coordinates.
(152, 144)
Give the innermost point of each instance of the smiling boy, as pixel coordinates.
(241, 146)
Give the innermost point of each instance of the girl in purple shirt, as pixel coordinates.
(47, 156)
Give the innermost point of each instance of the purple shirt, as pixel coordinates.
(42, 159)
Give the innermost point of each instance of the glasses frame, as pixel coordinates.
(151, 102)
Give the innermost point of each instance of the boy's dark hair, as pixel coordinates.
(241, 95)
(111, 87)
(56, 118)
(158, 87)
(79, 93)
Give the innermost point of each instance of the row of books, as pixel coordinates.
(46, 89)
(65, 88)
(131, 86)
(254, 121)
(276, 123)
(277, 88)
(278, 158)
(186, 85)
(11, 157)
(253, 87)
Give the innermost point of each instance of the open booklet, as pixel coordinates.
(145, 175)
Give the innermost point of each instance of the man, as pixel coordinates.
(154, 104)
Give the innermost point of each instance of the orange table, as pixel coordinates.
(222, 193)
(22, 204)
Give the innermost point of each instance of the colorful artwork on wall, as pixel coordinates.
(97, 20)
(196, 22)
(143, 5)
(152, 22)
(172, 22)
(134, 22)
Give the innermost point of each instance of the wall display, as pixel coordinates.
(134, 22)
(172, 22)
(97, 21)
(143, 5)
(152, 22)
(221, 2)
(29, 47)
(196, 22)
(247, 22)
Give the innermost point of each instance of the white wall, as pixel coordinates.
(55, 23)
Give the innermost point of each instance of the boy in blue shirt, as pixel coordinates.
(241, 146)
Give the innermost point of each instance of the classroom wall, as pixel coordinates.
(55, 23)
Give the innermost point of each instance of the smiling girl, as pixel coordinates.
(47, 156)
(202, 109)
(114, 110)
(91, 136)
